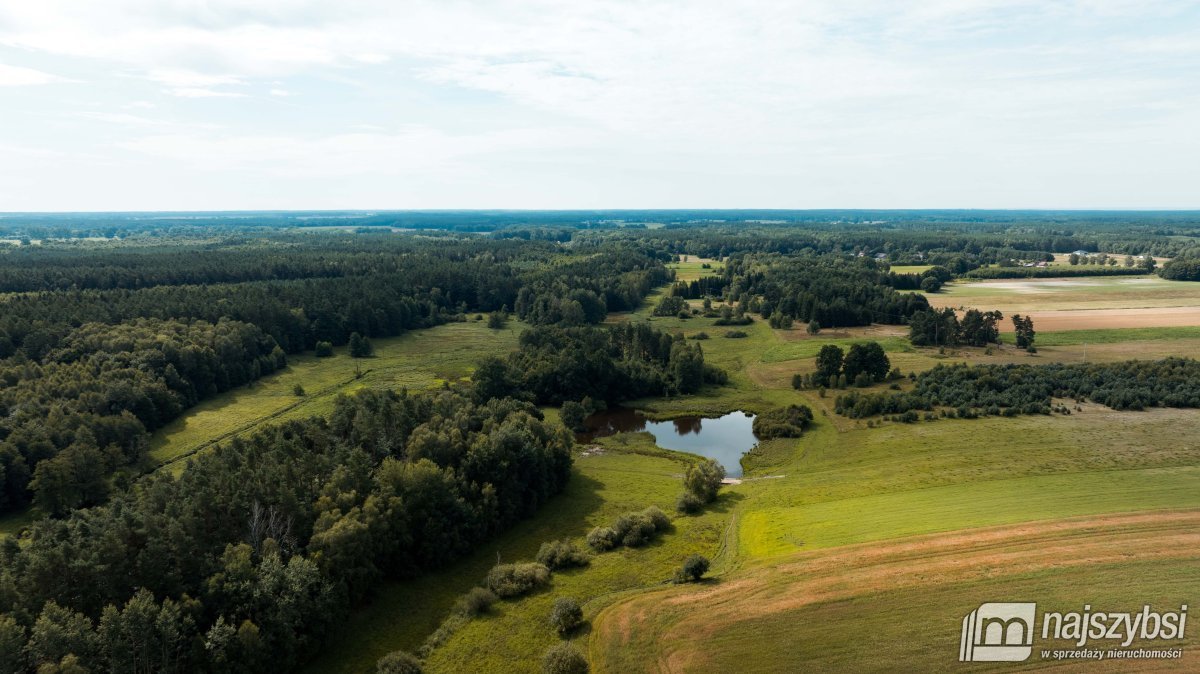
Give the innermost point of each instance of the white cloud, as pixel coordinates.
(140, 121)
(16, 76)
(409, 151)
(201, 92)
(817, 99)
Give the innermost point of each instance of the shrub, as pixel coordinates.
(814, 327)
(496, 320)
(634, 529)
(671, 305)
(693, 569)
(784, 422)
(324, 349)
(689, 503)
(572, 415)
(514, 580)
(561, 555)
(398, 662)
(700, 335)
(360, 347)
(797, 381)
(703, 479)
(298, 390)
(862, 380)
(602, 538)
(566, 615)
(563, 658)
(735, 334)
(715, 375)
(475, 602)
(658, 518)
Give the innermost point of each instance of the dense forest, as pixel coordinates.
(832, 290)
(621, 362)
(244, 562)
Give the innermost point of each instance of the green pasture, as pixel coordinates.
(418, 360)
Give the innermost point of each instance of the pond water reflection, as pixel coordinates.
(723, 438)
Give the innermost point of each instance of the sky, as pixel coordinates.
(312, 104)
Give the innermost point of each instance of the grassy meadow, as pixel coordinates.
(419, 360)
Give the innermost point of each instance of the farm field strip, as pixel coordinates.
(672, 630)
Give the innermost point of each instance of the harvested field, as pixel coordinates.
(1094, 319)
(696, 628)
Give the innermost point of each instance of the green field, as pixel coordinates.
(1116, 335)
(693, 267)
(419, 360)
(845, 484)
(911, 268)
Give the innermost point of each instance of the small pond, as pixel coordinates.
(724, 438)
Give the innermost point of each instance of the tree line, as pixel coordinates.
(85, 410)
(621, 362)
(1009, 390)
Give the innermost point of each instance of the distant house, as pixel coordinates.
(1081, 253)
(880, 256)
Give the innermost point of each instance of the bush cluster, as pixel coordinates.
(630, 530)
(784, 422)
(561, 555)
(514, 580)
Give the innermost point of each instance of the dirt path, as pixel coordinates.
(840, 573)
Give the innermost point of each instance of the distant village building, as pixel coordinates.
(1081, 253)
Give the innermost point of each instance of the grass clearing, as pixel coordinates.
(418, 360)
(911, 268)
(692, 267)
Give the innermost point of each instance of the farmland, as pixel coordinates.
(842, 488)
(1090, 303)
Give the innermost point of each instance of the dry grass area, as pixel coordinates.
(674, 630)
(1094, 319)
(1082, 303)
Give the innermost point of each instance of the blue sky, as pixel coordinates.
(264, 104)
